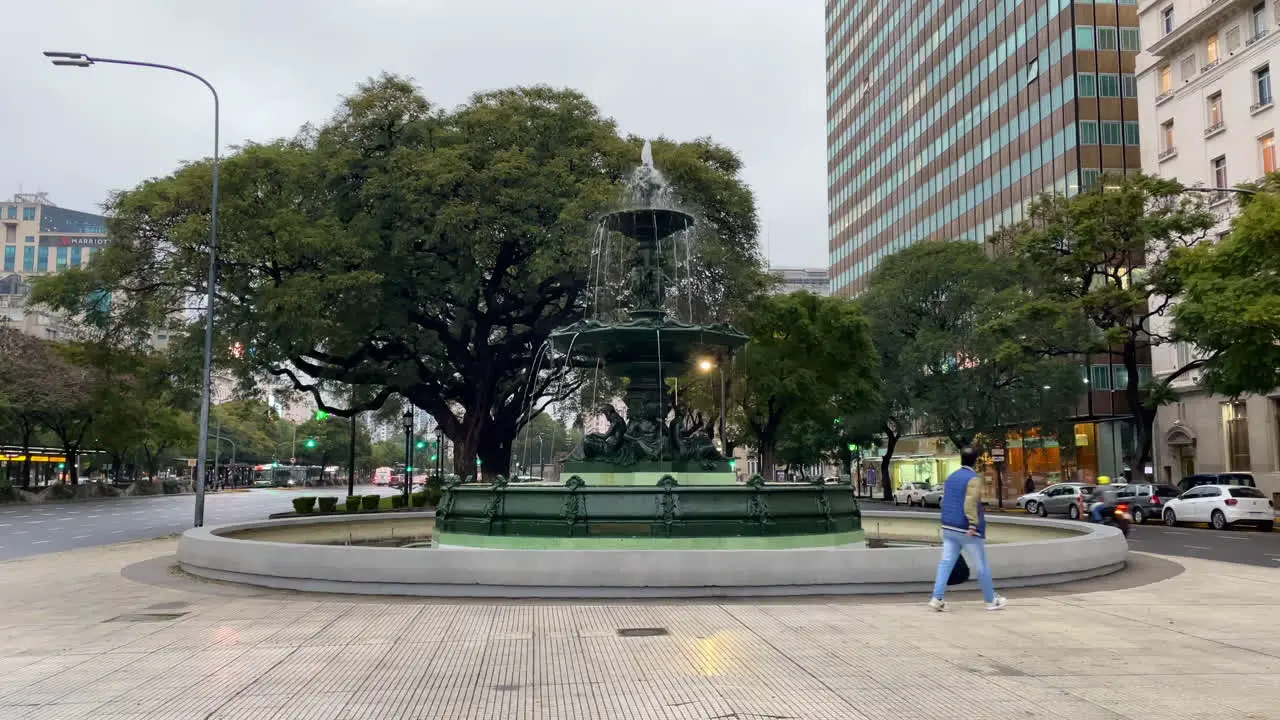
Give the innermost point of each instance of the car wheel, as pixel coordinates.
(1170, 518)
(1218, 520)
(1073, 512)
(1031, 507)
(1042, 511)
(1139, 517)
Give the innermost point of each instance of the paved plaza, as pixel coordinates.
(83, 640)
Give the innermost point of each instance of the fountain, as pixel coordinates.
(654, 472)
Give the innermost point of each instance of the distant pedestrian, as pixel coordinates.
(1030, 486)
(964, 526)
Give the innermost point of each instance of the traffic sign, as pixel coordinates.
(293, 461)
(997, 454)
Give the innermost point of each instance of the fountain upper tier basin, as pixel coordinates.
(645, 340)
(647, 223)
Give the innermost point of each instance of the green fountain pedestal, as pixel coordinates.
(603, 474)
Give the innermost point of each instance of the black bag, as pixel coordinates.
(959, 573)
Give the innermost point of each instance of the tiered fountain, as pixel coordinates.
(654, 477)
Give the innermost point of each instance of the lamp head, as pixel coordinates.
(68, 59)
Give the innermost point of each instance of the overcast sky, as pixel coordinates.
(749, 73)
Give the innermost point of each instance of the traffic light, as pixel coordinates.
(433, 457)
(310, 444)
(62, 466)
(420, 444)
(322, 415)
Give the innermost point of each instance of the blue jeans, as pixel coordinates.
(952, 543)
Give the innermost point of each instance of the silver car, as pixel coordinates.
(1061, 499)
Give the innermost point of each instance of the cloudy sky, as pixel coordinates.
(747, 72)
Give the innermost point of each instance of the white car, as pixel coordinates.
(911, 493)
(1221, 506)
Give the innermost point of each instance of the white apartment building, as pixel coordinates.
(1206, 100)
(814, 280)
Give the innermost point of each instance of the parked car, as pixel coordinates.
(1221, 506)
(1147, 500)
(1243, 479)
(1031, 501)
(911, 493)
(933, 498)
(1064, 499)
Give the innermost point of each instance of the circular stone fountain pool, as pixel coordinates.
(313, 554)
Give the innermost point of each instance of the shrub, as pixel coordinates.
(419, 499)
(328, 504)
(353, 503)
(9, 494)
(144, 487)
(304, 504)
(170, 487)
(370, 502)
(397, 501)
(60, 491)
(433, 496)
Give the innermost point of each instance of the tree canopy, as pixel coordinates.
(407, 250)
(1229, 307)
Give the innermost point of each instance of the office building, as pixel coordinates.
(1207, 109)
(945, 118)
(41, 238)
(814, 280)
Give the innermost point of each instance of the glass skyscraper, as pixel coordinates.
(946, 117)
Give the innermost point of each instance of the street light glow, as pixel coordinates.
(705, 365)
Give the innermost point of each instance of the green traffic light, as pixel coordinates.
(322, 415)
(732, 463)
(421, 444)
(62, 466)
(310, 443)
(433, 458)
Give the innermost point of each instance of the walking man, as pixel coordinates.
(964, 526)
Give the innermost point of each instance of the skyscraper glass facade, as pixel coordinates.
(946, 117)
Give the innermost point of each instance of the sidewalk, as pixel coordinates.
(79, 640)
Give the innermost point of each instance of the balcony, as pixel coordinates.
(1167, 154)
(1196, 27)
(1164, 97)
(1258, 107)
(1206, 68)
(1215, 129)
(1257, 36)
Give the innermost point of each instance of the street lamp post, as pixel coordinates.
(439, 454)
(706, 365)
(351, 460)
(541, 462)
(78, 59)
(408, 454)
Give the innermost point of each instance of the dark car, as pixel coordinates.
(1242, 479)
(1146, 500)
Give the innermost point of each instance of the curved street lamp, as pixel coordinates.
(79, 59)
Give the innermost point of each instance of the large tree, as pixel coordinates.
(805, 352)
(1229, 306)
(408, 250)
(30, 375)
(950, 359)
(1096, 274)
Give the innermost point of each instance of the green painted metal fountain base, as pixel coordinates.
(650, 517)
(603, 474)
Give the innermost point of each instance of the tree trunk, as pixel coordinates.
(73, 472)
(27, 432)
(768, 453)
(1143, 419)
(890, 442)
(495, 454)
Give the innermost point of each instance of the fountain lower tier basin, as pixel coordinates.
(653, 517)
(277, 554)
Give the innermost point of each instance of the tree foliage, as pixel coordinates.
(1229, 306)
(406, 250)
(1096, 274)
(806, 353)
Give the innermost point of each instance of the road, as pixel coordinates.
(1245, 545)
(53, 527)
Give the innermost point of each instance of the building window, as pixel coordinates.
(75, 256)
(1084, 37)
(1088, 132)
(1211, 50)
(1235, 426)
(1089, 178)
(1165, 80)
(1100, 377)
(1129, 39)
(62, 259)
(1107, 38)
(28, 213)
(1214, 106)
(1259, 20)
(1033, 70)
(10, 258)
(13, 212)
(1131, 134)
(1267, 147)
(1166, 20)
(1088, 84)
(1183, 355)
(1262, 85)
(1188, 68)
(29, 238)
(1108, 85)
(1129, 86)
(1112, 133)
(28, 259)
(1218, 167)
(1167, 143)
(42, 260)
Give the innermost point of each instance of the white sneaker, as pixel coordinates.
(997, 604)
(936, 604)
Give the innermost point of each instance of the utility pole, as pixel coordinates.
(351, 460)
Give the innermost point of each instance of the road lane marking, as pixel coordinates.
(34, 522)
(39, 542)
(91, 516)
(1196, 547)
(6, 524)
(1230, 537)
(1175, 532)
(79, 537)
(116, 532)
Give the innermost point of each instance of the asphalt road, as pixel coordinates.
(52, 527)
(1246, 546)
